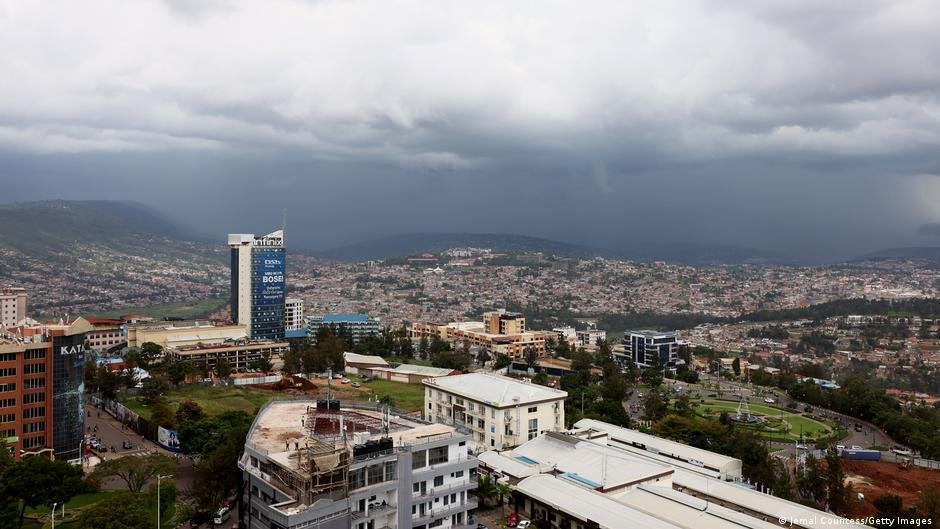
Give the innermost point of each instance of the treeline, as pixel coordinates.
(924, 307)
(857, 397)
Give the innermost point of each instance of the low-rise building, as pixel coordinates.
(474, 334)
(293, 314)
(649, 348)
(343, 467)
(357, 325)
(500, 412)
(239, 354)
(107, 333)
(183, 334)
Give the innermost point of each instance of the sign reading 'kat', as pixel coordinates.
(72, 350)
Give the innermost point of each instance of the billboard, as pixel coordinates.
(168, 439)
(268, 270)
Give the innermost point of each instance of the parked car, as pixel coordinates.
(523, 524)
(128, 445)
(769, 400)
(345, 381)
(356, 385)
(856, 447)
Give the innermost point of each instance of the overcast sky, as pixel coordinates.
(811, 128)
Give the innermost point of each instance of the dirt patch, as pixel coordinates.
(878, 478)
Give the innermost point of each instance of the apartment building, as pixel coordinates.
(503, 322)
(238, 354)
(183, 333)
(12, 306)
(500, 412)
(293, 314)
(474, 334)
(106, 333)
(352, 466)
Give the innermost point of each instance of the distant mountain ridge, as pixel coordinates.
(405, 244)
(930, 253)
(416, 243)
(59, 227)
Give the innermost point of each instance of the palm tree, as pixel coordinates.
(502, 491)
(485, 488)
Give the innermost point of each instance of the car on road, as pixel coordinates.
(523, 524)
(127, 445)
(856, 447)
(800, 446)
(840, 447)
(356, 385)
(901, 451)
(345, 381)
(769, 400)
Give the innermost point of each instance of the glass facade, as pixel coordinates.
(68, 389)
(267, 293)
(234, 285)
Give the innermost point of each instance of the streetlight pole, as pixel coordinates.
(159, 477)
(54, 505)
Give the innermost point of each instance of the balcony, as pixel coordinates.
(373, 512)
(441, 512)
(437, 491)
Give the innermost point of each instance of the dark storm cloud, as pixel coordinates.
(807, 127)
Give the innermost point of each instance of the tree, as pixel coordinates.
(502, 361)
(9, 509)
(531, 356)
(36, 481)
(683, 405)
(178, 371)
(189, 411)
(161, 414)
(423, 346)
(486, 488)
(262, 363)
(135, 472)
(223, 368)
(216, 474)
(120, 511)
(654, 407)
(149, 353)
(653, 377)
(502, 491)
(153, 388)
(540, 378)
(292, 361)
(736, 366)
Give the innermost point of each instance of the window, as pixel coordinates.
(533, 428)
(6, 403)
(357, 478)
(32, 413)
(7, 357)
(533, 409)
(34, 383)
(437, 455)
(33, 427)
(30, 398)
(419, 459)
(34, 368)
(33, 442)
(7, 371)
(438, 481)
(376, 473)
(7, 417)
(11, 386)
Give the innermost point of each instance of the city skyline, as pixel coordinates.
(618, 125)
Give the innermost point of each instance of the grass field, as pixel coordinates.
(405, 397)
(185, 310)
(33, 516)
(213, 400)
(780, 425)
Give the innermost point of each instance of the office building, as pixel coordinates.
(339, 467)
(500, 412)
(12, 306)
(107, 334)
(42, 388)
(503, 322)
(649, 348)
(239, 355)
(293, 314)
(358, 325)
(601, 476)
(512, 340)
(258, 283)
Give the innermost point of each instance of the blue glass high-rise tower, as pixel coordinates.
(258, 283)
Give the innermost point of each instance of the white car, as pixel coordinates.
(769, 400)
(523, 524)
(856, 447)
(800, 446)
(345, 381)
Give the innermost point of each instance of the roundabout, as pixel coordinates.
(771, 423)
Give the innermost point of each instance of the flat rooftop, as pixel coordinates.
(495, 390)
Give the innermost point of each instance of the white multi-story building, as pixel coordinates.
(500, 412)
(12, 306)
(294, 314)
(354, 468)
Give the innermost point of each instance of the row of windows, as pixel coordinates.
(7, 417)
(33, 442)
(34, 427)
(32, 413)
(34, 368)
(9, 386)
(8, 432)
(31, 383)
(7, 371)
(31, 398)
(34, 354)
(7, 357)
(7, 403)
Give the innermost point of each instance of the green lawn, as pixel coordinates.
(213, 400)
(405, 397)
(186, 310)
(32, 519)
(774, 429)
